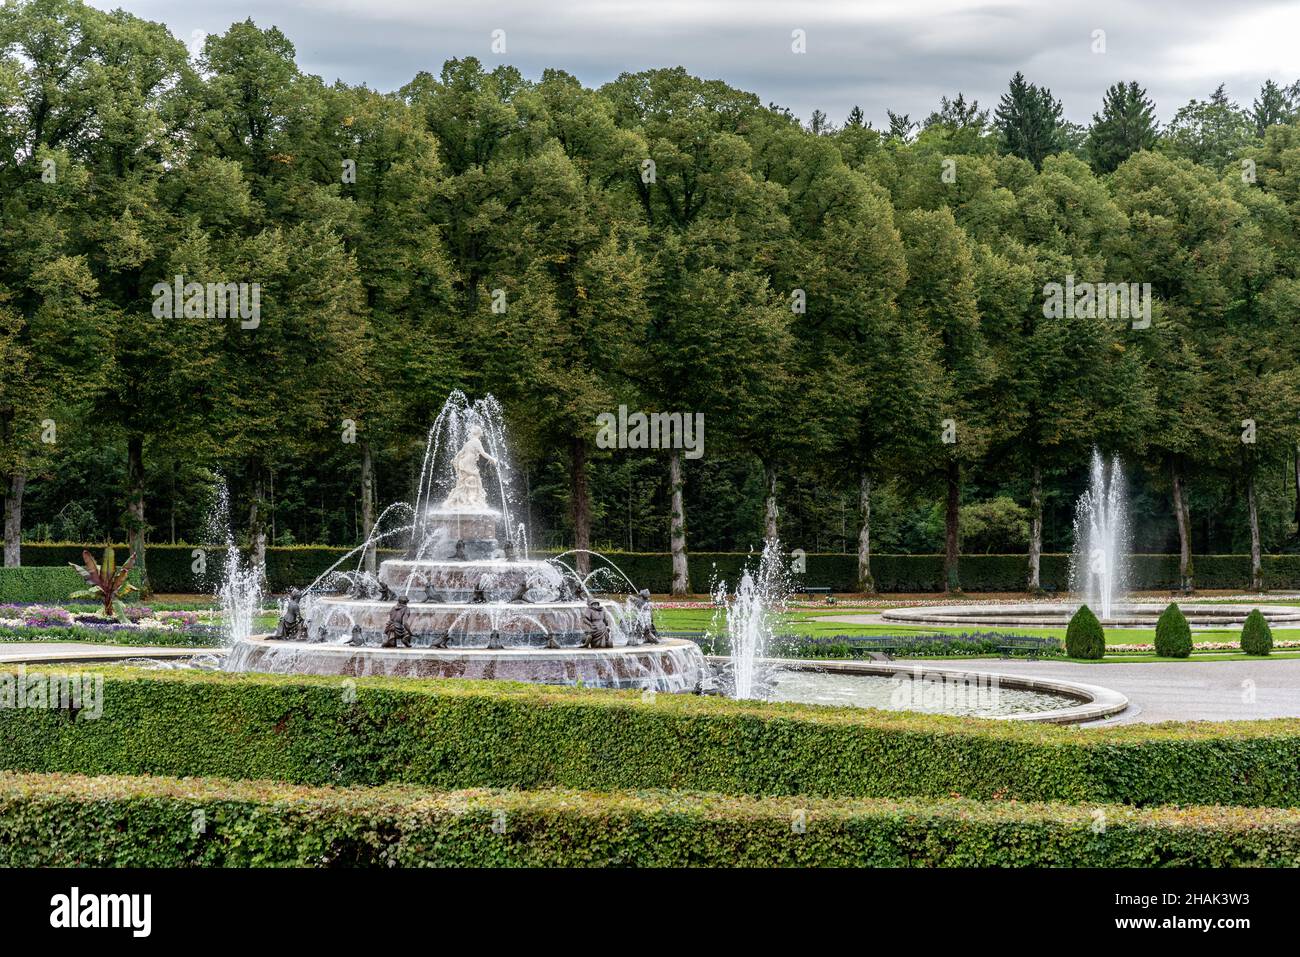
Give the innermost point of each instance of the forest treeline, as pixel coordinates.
(865, 317)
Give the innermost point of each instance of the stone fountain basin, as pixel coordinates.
(458, 579)
(673, 665)
(1056, 614)
(517, 624)
(1094, 702)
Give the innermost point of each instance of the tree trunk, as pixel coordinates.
(1183, 515)
(257, 511)
(580, 505)
(1035, 529)
(952, 529)
(368, 504)
(1256, 564)
(677, 525)
(135, 506)
(1297, 489)
(770, 513)
(14, 519)
(866, 583)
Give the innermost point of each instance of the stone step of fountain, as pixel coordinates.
(337, 617)
(456, 580)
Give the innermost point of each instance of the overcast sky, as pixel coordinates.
(896, 54)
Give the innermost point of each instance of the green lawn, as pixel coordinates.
(810, 624)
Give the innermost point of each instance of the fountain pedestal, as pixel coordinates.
(472, 617)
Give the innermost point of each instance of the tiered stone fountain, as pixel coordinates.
(463, 605)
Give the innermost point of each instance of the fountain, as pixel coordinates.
(1098, 566)
(760, 594)
(1098, 577)
(465, 601)
(751, 614)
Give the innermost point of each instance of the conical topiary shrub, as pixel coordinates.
(1256, 636)
(1084, 637)
(1173, 634)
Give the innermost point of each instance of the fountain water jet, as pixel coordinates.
(239, 593)
(461, 603)
(1099, 564)
(750, 614)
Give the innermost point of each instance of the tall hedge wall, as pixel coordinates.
(62, 821)
(171, 569)
(43, 583)
(452, 734)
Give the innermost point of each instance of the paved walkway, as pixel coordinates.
(1159, 691)
(1175, 691)
(34, 652)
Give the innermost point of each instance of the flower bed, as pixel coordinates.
(31, 622)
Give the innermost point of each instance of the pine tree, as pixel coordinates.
(1029, 120)
(1125, 125)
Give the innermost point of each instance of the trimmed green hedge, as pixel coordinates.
(1173, 634)
(171, 569)
(1256, 635)
(1084, 637)
(456, 734)
(63, 821)
(50, 584)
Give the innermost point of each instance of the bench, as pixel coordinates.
(1030, 645)
(810, 590)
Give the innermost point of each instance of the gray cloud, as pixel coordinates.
(895, 54)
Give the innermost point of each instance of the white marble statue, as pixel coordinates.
(469, 494)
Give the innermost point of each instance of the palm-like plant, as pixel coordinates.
(107, 583)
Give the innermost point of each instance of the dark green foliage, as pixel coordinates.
(453, 734)
(1125, 125)
(1029, 120)
(1256, 636)
(1083, 636)
(69, 821)
(170, 569)
(48, 584)
(1173, 634)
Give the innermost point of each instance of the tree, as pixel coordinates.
(1084, 637)
(713, 232)
(958, 114)
(286, 376)
(901, 126)
(1029, 120)
(941, 296)
(1256, 636)
(1211, 132)
(1173, 634)
(1275, 104)
(1193, 242)
(1125, 125)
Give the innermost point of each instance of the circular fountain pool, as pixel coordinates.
(912, 687)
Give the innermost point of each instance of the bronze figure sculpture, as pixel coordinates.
(595, 622)
(395, 629)
(292, 626)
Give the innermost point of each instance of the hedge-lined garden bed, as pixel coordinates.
(172, 569)
(450, 734)
(62, 821)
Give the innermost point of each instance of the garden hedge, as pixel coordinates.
(62, 821)
(1084, 637)
(451, 734)
(1173, 634)
(50, 584)
(171, 569)
(1256, 635)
